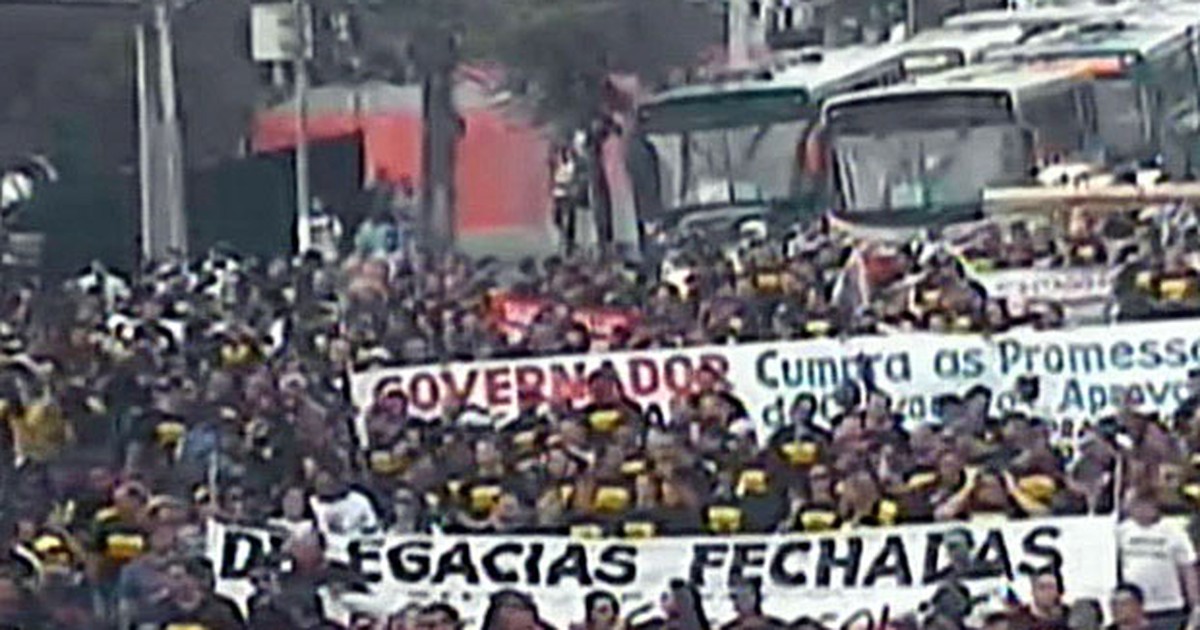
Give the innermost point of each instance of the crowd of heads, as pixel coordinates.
(136, 409)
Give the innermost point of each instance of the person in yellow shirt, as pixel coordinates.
(40, 430)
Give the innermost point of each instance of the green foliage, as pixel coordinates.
(559, 51)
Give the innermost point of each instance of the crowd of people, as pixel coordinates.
(135, 410)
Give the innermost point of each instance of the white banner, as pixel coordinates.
(1071, 284)
(830, 577)
(1084, 293)
(1084, 372)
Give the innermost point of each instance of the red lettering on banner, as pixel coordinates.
(530, 379)
(568, 386)
(499, 386)
(677, 374)
(462, 392)
(643, 377)
(424, 393)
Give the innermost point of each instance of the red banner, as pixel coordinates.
(513, 314)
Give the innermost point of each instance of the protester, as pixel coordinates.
(138, 409)
(602, 611)
(1160, 561)
(438, 617)
(1128, 609)
(1046, 610)
(747, 604)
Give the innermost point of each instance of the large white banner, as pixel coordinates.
(830, 577)
(1084, 372)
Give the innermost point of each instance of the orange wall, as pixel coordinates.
(502, 178)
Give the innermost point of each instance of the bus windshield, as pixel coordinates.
(926, 169)
(726, 148)
(925, 151)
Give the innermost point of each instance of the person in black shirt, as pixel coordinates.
(747, 602)
(1046, 611)
(189, 600)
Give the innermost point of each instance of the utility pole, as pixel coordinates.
(300, 66)
(172, 202)
(736, 27)
(145, 144)
(160, 140)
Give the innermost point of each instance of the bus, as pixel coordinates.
(1038, 18)
(1146, 104)
(732, 143)
(922, 153)
(932, 51)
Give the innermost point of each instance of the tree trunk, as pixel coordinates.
(601, 197)
(439, 140)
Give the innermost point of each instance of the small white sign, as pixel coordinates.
(275, 34)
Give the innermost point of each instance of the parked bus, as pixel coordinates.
(1146, 104)
(939, 49)
(732, 143)
(922, 153)
(1035, 19)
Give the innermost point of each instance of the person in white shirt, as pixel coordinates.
(340, 509)
(1160, 559)
(293, 518)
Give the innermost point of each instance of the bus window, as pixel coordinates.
(1121, 120)
(1175, 73)
(1056, 117)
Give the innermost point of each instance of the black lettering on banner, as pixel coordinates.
(779, 564)
(934, 570)
(992, 558)
(457, 561)
(492, 568)
(572, 564)
(898, 368)
(945, 363)
(706, 556)
(622, 560)
(533, 564)
(760, 369)
(747, 556)
(410, 567)
(1072, 397)
(972, 363)
(361, 553)
(892, 562)
(1034, 546)
(231, 544)
(828, 560)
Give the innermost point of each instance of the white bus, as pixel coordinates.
(735, 142)
(1146, 103)
(922, 153)
(1035, 19)
(939, 49)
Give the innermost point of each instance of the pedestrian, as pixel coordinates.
(1160, 561)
